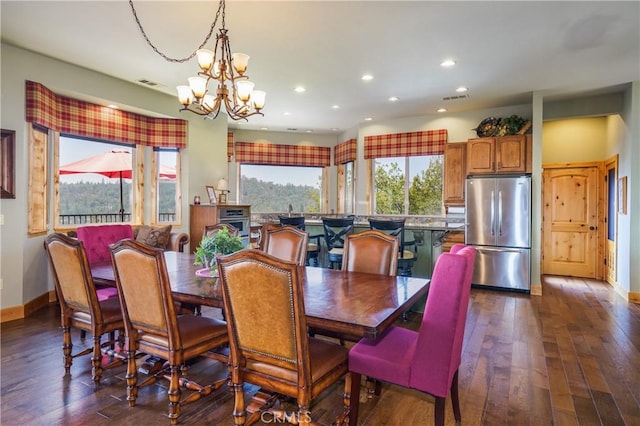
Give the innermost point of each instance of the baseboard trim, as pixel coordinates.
(22, 311)
(536, 289)
(634, 297)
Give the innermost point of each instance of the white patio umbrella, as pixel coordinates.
(112, 164)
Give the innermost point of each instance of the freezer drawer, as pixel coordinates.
(503, 267)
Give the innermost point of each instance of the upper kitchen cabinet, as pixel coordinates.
(455, 172)
(505, 154)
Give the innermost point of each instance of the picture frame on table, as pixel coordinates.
(211, 192)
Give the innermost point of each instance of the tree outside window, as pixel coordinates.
(409, 185)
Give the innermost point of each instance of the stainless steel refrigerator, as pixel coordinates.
(498, 225)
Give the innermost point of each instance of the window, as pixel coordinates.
(166, 184)
(408, 185)
(95, 181)
(272, 189)
(346, 190)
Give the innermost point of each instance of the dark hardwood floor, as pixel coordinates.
(571, 356)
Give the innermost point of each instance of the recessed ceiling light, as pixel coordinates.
(393, 99)
(286, 113)
(335, 106)
(368, 119)
(309, 131)
(442, 110)
(335, 129)
(461, 89)
(264, 128)
(447, 63)
(300, 89)
(367, 77)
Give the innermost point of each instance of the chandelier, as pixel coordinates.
(234, 91)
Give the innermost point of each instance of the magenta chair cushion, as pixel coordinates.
(428, 359)
(106, 293)
(387, 358)
(97, 239)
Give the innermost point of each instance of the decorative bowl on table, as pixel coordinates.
(207, 273)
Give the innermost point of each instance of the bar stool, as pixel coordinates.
(335, 230)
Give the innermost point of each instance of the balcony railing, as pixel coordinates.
(82, 219)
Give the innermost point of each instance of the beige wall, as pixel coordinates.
(574, 140)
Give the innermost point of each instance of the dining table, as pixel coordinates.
(340, 303)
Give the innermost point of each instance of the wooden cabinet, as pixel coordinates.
(455, 172)
(452, 238)
(201, 215)
(505, 154)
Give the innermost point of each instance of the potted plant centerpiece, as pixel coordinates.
(220, 243)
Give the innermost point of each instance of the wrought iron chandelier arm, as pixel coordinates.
(168, 58)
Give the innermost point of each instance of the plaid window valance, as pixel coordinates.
(345, 152)
(282, 155)
(411, 144)
(229, 147)
(79, 118)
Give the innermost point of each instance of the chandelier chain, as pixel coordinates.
(168, 58)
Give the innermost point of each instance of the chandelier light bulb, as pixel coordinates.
(205, 59)
(185, 95)
(245, 87)
(198, 86)
(258, 97)
(240, 62)
(208, 102)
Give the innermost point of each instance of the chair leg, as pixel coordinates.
(438, 411)
(354, 398)
(96, 360)
(174, 394)
(455, 401)
(67, 346)
(131, 376)
(239, 413)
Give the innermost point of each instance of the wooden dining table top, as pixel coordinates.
(345, 303)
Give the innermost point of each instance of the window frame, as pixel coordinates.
(155, 187)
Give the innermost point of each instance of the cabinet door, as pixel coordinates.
(481, 155)
(510, 153)
(200, 216)
(455, 172)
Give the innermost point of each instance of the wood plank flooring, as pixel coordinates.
(569, 357)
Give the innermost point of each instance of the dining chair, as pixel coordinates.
(269, 344)
(335, 230)
(396, 227)
(210, 230)
(370, 251)
(428, 359)
(152, 326)
(81, 307)
(287, 243)
(313, 247)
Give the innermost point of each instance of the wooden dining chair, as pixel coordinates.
(269, 344)
(80, 306)
(396, 227)
(210, 230)
(370, 251)
(313, 246)
(152, 326)
(287, 243)
(428, 359)
(335, 230)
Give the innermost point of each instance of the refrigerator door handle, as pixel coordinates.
(500, 213)
(493, 214)
(500, 249)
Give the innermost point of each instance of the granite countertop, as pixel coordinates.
(412, 222)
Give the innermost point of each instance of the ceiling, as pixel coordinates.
(504, 51)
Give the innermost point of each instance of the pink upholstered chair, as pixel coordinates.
(97, 239)
(426, 360)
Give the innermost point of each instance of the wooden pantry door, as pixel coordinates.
(570, 221)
